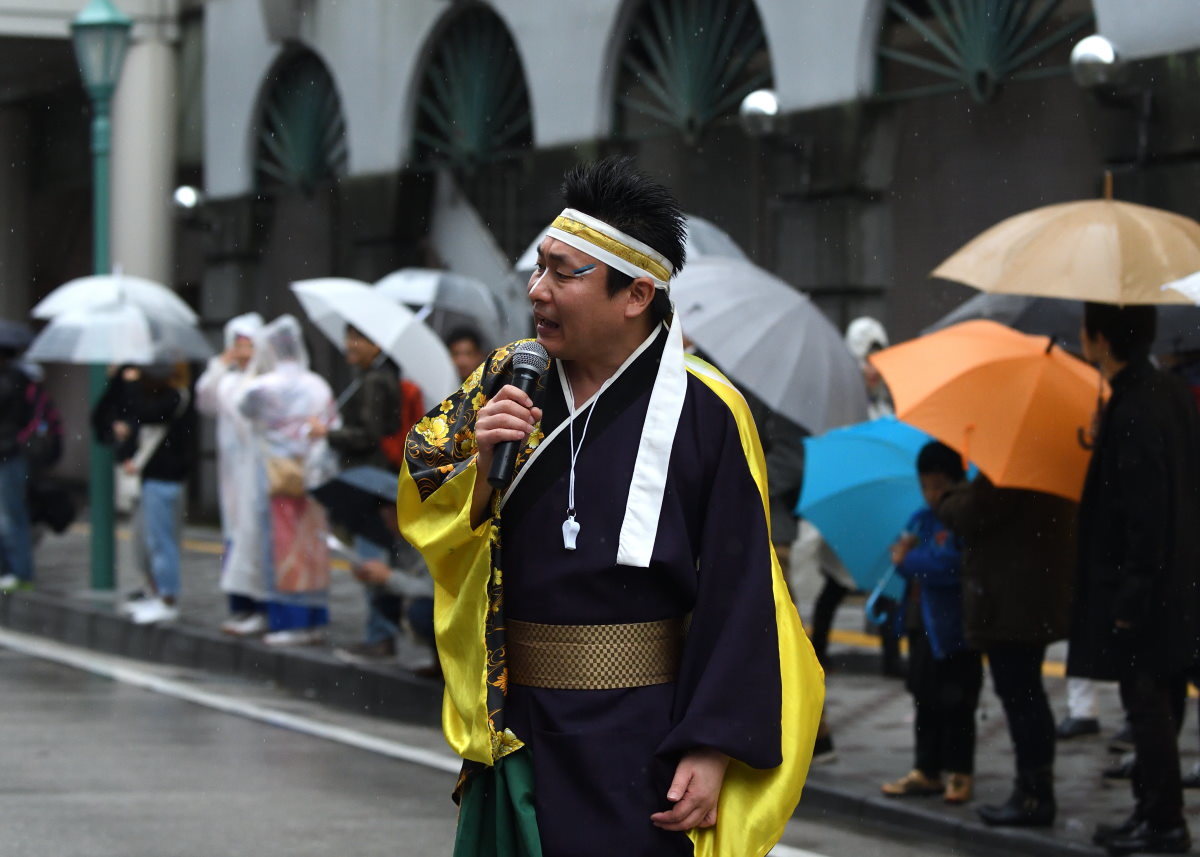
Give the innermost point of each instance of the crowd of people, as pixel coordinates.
(1000, 573)
(278, 426)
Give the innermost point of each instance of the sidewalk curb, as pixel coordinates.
(971, 836)
(310, 673)
(397, 695)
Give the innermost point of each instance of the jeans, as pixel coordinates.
(1017, 678)
(945, 693)
(379, 626)
(162, 511)
(16, 541)
(1157, 788)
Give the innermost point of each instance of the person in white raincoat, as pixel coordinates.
(239, 460)
(279, 401)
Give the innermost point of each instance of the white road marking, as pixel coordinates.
(118, 669)
(789, 851)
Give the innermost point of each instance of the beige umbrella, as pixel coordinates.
(1098, 250)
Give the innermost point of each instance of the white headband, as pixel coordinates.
(611, 246)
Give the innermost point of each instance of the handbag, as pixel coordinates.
(129, 485)
(285, 476)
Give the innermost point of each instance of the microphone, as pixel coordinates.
(529, 363)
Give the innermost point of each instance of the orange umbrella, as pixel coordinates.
(1014, 404)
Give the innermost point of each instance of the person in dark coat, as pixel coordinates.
(1136, 612)
(370, 414)
(16, 542)
(1018, 565)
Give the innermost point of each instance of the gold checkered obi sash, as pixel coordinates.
(594, 657)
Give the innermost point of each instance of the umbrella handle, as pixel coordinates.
(871, 608)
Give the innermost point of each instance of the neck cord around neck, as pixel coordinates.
(570, 525)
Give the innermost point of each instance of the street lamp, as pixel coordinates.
(100, 35)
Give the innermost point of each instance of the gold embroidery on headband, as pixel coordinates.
(604, 242)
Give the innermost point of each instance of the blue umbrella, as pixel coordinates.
(860, 488)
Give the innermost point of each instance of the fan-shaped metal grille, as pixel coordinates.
(473, 106)
(932, 47)
(687, 63)
(301, 133)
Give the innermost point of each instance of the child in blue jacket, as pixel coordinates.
(944, 676)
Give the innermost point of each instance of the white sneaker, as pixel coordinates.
(298, 637)
(9, 583)
(246, 625)
(131, 601)
(153, 611)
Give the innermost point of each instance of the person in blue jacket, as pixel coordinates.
(944, 675)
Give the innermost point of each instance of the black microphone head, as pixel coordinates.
(532, 357)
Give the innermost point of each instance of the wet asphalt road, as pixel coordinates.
(95, 767)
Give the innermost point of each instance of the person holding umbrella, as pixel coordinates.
(369, 413)
(1136, 618)
(1018, 565)
(944, 675)
(148, 414)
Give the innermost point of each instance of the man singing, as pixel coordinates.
(625, 672)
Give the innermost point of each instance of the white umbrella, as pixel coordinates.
(705, 240)
(119, 333)
(1188, 286)
(106, 290)
(773, 340)
(333, 302)
(434, 290)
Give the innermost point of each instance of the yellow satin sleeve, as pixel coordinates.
(755, 805)
(459, 558)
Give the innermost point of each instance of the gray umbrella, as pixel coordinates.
(1178, 326)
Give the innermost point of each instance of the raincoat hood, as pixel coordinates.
(864, 335)
(281, 341)
(247, 325)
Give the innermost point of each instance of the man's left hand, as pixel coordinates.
(694, 791)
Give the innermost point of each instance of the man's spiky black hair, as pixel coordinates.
(613, 190)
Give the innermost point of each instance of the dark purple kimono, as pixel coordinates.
(604, 759)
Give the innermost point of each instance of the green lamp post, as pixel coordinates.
(100, 35)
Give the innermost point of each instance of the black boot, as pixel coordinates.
(1031, 804)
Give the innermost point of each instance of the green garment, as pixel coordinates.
(496, 816)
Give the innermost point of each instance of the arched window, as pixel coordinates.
(473, 105)
(687, 63)
(301, 132)
(934, 47)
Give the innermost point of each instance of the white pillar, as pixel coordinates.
(143, 157)
(15, 275)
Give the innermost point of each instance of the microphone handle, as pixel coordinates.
(505, 456)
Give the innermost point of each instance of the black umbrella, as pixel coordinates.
(14, 335)
(1178, 325)
(358, 498)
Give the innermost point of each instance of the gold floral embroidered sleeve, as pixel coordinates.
(433, 507)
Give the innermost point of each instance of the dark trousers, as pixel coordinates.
(824, 610)
(1150, 703)
(945, 693)
(1017, 677)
